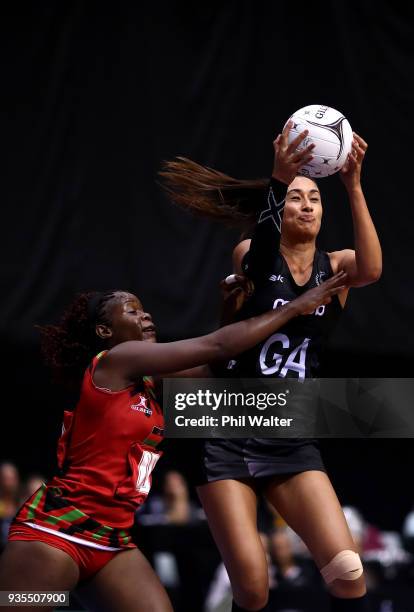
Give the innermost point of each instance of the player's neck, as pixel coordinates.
(299, 254)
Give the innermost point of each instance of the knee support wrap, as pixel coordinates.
(346, 565)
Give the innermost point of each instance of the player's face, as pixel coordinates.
(303, 209)
(130, 321)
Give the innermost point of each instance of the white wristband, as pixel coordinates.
(230, 279)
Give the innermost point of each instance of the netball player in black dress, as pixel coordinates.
(282, 261)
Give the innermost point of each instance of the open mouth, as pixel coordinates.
(149, 330)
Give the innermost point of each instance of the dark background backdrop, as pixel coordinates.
(95, 96)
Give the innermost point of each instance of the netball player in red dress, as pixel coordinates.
(283, 261)
(74, 532)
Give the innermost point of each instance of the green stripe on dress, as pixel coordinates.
(101, 532)
(124, 536)
(71, 517)
(149, 386)
(149, 442)
(32, 507)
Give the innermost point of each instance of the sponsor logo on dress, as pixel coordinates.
(276, 277)
(141, 406)
(319, 312)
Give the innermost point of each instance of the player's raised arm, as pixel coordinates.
(255, 257)
(364, 264)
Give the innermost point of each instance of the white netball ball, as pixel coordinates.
(331, 134)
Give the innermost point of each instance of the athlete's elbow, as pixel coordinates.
(377, 274)
(374, 274)
(375, 269)
(368, 277)
(226, 344)
(215, 346)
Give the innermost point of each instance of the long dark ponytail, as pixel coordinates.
(211, 193)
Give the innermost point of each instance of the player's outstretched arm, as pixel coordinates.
(131, 360)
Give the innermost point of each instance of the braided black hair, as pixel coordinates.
(69, 346)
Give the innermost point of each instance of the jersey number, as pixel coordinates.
(145, 466)
(271, 363)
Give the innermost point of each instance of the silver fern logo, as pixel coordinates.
(319, 277)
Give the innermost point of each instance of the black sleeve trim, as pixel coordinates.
(264, 247)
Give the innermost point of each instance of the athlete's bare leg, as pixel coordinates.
(36, 566)
(231, 509)
(308, 503)
(126, 583)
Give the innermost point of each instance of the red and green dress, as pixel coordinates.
(106, 454)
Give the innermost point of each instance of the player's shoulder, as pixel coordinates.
(337, 258)
(239, 253)
(242, 247)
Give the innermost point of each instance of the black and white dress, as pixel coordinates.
(294, 351)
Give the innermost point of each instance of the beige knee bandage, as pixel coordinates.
(346, 565)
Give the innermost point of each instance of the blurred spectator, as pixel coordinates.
(289, 571)
(408, 532)
(176, 499)
(356, 526)
(269, 520)
(368, 538)
(173, 506)
(9, 498)
(219, 596)
(295, 582)
(175, 524)
(381, 551)
(30, 485)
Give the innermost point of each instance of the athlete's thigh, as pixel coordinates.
(126, 583)
(35, 566)
(231, 509)
(308, 503)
